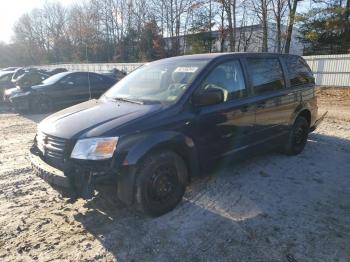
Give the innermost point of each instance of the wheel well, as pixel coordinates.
(306, 114)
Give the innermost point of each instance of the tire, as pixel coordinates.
(160, 183)
(40, 105)
(297, 137)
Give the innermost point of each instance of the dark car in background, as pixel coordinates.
(5, 79)
(5, 82)
(167, 121)
(9, 69)
(29, 76)
(24, 81)
(18, 72)
(60, 90)
(115, 74)
(55, 71)
(32, 71)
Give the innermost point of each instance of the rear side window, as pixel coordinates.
(298, 71)
(96, 79)
(81, 80)
(227, 77)
(76, 79)
(266, 74)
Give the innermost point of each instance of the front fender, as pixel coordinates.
(174, 140)
(136, 148)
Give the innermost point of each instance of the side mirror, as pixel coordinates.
(209, 97)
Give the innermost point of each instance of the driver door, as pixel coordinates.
(226, 127)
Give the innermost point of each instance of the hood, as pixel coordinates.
(94, 118)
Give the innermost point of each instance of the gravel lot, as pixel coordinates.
(268, 208)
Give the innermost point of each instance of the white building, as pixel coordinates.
(248, 39)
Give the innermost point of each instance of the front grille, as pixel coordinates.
(51, 147)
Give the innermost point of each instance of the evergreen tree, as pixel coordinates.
(325, 30)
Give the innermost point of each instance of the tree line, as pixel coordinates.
(146, 30)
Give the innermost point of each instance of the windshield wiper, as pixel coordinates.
(130, 100)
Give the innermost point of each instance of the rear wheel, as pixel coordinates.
(161, 183)
(297, 137)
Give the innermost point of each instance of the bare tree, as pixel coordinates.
(230, 9)
(292, 6)
(246, 28)
(261, 10)
(279, 8)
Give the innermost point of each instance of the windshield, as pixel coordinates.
(53, 79)
(163, 81)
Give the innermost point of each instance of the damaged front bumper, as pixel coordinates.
(48, 173)
(76, 181)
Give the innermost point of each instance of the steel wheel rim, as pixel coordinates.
(299, 136)
(163, 183)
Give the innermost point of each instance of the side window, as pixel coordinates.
(266, 74)
(66, 80)
(96, 79)
(76, 80)
(298, 71)
(227, 77)
(81, 80)
(98, 82)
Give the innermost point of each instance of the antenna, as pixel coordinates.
(87, 61)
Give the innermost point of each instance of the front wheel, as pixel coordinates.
(297, 137)
(161, 183)
(40, 104)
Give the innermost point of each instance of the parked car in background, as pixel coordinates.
(29, 73)
(31, 78)
(61, 90)
(9, 69)
(5, 82)
(18, 72)
(21, 71)
(116, 74)
(5, 79)
(170, 119)
(24, 82)
(56, 71)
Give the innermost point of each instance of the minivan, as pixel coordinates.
(168, 120)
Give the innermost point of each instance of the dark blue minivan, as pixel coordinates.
(170, 119)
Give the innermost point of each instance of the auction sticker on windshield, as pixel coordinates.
(186, 69)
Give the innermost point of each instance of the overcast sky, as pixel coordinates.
(11, 10)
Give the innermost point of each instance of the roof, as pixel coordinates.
(5, 73)
(211, 56)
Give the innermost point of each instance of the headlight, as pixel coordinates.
(95, 148)
(8, 92)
